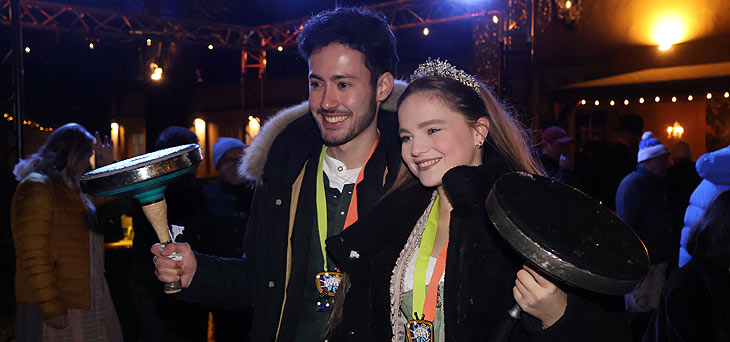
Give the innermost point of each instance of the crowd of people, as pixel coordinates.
(367, 221)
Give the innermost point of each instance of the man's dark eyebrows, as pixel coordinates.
(339, 77)
(316, 77)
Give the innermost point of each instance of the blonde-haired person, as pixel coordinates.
(60, 288)
(456, 140)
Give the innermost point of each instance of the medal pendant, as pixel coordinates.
(328, 282)
(419, 330)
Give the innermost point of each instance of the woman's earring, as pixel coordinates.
(480, 144)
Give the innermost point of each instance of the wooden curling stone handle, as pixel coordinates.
(157, 215)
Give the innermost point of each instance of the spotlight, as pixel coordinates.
(583, 102)
(426, 31)
(626, 102)
(596, 103)
(91, 46)
(641, 100)
(27, 49)
(727, 94)
(568, 4)
(674, 99)
(210, 46)
(495, 19)
(689, 98)
(709, 96)
(656, 99)
(280, 48)
(612, 103)
(149, 42)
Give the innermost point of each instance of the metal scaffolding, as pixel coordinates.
(252, 41)
(101, 23)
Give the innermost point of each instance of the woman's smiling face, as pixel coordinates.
(436, 138)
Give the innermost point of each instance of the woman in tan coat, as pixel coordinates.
(59, 283)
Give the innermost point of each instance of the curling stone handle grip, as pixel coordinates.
(504, 329)
(157, 215)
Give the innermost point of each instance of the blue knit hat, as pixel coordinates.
(222, 146)
(650, 147)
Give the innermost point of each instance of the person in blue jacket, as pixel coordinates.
(714, 168)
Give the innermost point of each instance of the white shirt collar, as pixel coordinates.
(337, 172)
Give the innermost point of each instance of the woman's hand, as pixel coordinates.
(58, 322)
(103, 150)
(539, 297)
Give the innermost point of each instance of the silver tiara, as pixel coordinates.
(437, 67)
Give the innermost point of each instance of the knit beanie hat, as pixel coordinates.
(650, 147)
(222, 146)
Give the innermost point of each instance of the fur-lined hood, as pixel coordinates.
(252, 166)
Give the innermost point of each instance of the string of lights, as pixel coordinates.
(29, 123)
(656, 99)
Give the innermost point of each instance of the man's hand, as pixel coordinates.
(103, 150)
(539, 297)
(58, 322)
(168, 270)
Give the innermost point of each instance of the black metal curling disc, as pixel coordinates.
(567, 234)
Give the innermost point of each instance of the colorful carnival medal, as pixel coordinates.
(328, 281)
(327, 284)
(421, 330)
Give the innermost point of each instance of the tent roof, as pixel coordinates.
(659, 75)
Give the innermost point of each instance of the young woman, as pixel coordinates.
(59, 283)
(695, 301)
(456, 141)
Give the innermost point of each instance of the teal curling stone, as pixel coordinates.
(145, 178)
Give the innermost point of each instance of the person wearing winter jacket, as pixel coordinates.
(714, 168)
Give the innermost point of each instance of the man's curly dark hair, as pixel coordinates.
(359, 29)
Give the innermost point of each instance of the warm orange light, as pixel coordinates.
(253, 127)
(656, 99)
(149, 42)
(690, 98)
(568, 4)
(674, 99)
(199, 125)
(596, 103)
(669, 29)
(626, 102)
(675, 131)
(583, 102)
(709, 96)
(641, 100)
(91, 46)
(727, 94)
(612, 103)
(156, 74)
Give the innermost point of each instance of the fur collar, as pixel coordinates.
(252, 166)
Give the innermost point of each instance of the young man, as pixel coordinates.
(315, 174)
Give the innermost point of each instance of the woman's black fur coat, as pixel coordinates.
(480, 270)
